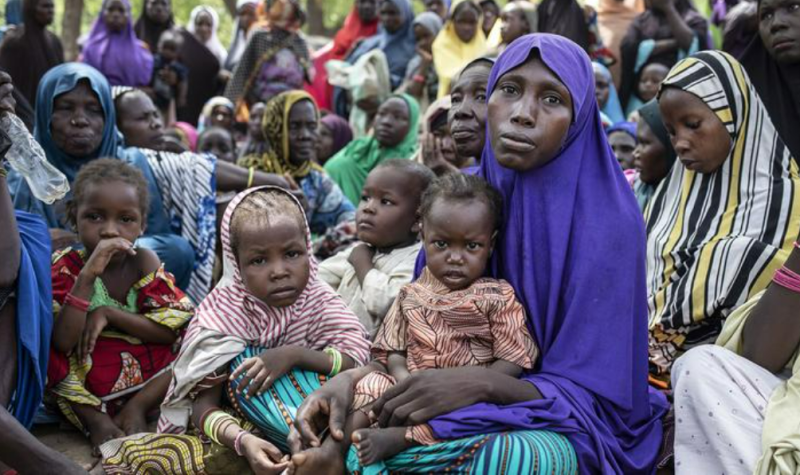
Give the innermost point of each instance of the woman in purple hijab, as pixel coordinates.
(573, 248)
(113, 49)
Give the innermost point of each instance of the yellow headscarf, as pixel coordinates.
(276, 130)
(450, 54)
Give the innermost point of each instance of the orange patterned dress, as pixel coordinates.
(439, 328)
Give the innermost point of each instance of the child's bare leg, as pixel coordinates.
(133, 416)
(332, 453)
(99, 424)
(374, 445)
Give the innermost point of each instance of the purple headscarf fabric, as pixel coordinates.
(340, 129)
(573, 248)
(119, 56)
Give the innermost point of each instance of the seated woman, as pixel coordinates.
(723, 221)
(25, 326)
(265, 337)
(773, 63)
(517, 19)
(587, 403)
(622, 138)
(461, 41)
(395, 137)
(669, 30)
(291, 127)
(334, 134)
(113, 49)
(653, 156)
(420, 80)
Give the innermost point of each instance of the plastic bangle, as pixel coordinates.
(788, 279)
(3, 172)
(76, 303)
(250, 177)
(237, 444)
(336, 361)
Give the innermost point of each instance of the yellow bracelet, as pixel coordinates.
(250, 177)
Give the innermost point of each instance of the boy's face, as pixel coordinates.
(459, 238)
(387, 214)
(218, 143)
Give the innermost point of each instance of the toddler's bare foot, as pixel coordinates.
(323, 460)
(132, 419)
(374, 445)
(101, 428)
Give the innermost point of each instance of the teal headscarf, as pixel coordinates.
(349, 168)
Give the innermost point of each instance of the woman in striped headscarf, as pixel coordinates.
(725, 218)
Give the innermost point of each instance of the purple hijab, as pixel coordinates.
(573, 248)
(119, 56)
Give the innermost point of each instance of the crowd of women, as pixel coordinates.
(532, 237)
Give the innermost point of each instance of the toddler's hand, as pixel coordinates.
(263, 457)
(103, 253)
(261, 371)
(96, 322)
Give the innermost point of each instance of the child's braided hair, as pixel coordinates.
(463, 187)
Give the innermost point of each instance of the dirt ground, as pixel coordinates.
(68, 441)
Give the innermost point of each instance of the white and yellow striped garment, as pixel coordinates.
(714, 240)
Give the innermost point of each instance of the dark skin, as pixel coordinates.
(530, 111)
(459, 238)
(303, 126)
(392, 122)
(779, 28)
(438, 7)
(623, 146)
(218, 142)
(602, 89)
(698, 136)
(490, 14)
(158, 11)
(367, 10)
(467, 116)
(140, 121)
(247, 17)
(115, 16)
(325, 144)
(386, 217)
(108, 219)
(203, 26)
(169, 47)
(391, 18)
(45, 12)
(650, 80)
(681, 32)
(466, 21)
(222, 116)
(424, 41)
(254, 129)
(650, 155)
(514, 24)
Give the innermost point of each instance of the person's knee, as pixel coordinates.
(701, 361)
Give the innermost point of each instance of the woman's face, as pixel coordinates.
(490, 14)
(140, 121)
(467, 116)
(650, 80)
(247, 16)
(466, 22)
(45, 11)
(303, 133)
(77, 121)
(367, 10)
(514, 24)
(779, 27)
(158, 11)
(115, 16)
(622, 144)
(438, 7)
(424, 38)
(650, 155)
(222, 116)
(448, 146)
(325, 143)
(254, 125)
(203, 26)
(391, 17)
(698, 136)
(392, 122)
(602, 89)
(530, 111)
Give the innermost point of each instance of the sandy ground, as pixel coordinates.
(68, 441)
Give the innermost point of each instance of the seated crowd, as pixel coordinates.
(552, 236)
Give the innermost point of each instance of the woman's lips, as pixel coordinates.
(516, 143)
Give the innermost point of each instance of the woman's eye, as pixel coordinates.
(553, 100)
(480, 97)
(508, 89)
(455, 99)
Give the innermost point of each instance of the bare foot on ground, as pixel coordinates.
(132, 419)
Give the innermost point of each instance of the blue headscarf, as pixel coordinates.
(34, 303)
(573, 248)
(399, 47)
(613, 108)
(624, 126)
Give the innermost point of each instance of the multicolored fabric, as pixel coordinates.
(532, 452)
(231, 318)
(450, 54)
(349, 168)
(120, 364)
(715, 240)
(327, 205)
(440, 328)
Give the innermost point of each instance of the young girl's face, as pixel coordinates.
(219, 143)
(302, 126)
(622, 145)
(424, 38)
(465, 21)
(602, 89)
(513, 24)
(698, 136)
(650, 80)
(530, 111)
(273, 259)
(392, 122)
(115, 15)
(459, 238)
(109, 210)
(390, 17)
(650, 155)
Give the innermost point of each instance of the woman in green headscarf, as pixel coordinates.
(395, 136)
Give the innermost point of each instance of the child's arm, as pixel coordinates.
(398, 365)
(183, 92)
(361, 260)
(506, 367)
(380, 289)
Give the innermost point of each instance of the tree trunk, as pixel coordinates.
(71, 28)
(231, 6)
(316, 23)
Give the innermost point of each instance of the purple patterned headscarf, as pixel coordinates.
(573, 248)
(119, 56)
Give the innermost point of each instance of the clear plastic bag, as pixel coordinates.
(28, 159)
